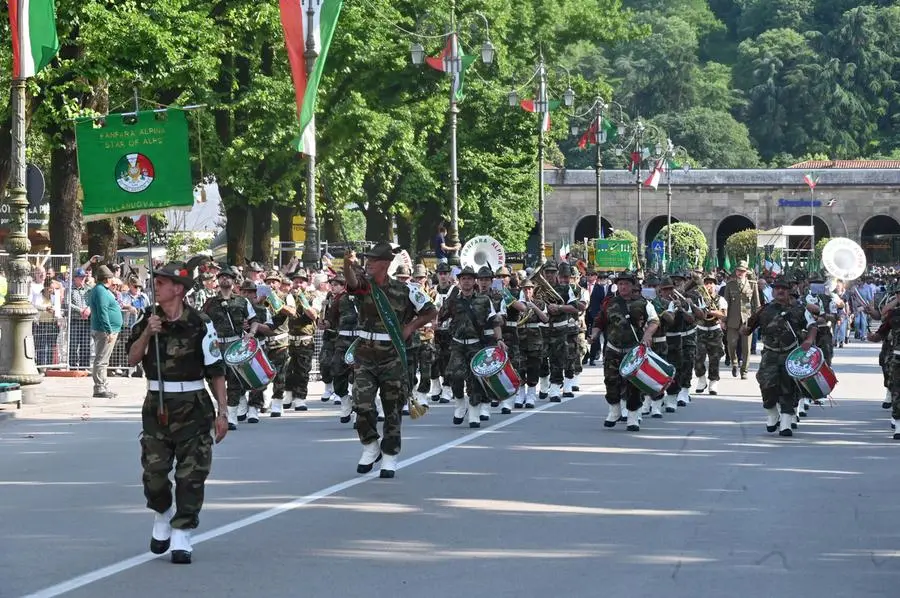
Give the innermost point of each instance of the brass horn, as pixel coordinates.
(543, 290)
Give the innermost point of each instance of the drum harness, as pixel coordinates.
(783, 316)
(620, 301)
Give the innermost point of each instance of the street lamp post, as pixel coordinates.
(311, 253)
(542, 106)
(636, 143)
(453, 64)
(669, 157)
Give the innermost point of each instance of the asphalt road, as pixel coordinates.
(543, 503)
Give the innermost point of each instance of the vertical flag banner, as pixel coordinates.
(130, 166)
(445, 64)
(529, 106)
(34, 40)
(297, 29)
(810, 181)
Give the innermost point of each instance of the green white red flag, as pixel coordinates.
(529, 106)
(34, 40)
(446, 64)
(297, 30)
(810, 180)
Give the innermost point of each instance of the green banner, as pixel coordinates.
(133, 165)
(612, 255)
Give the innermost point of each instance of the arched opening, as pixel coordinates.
(653, 227)
(729, 226)
(880, 239)
(587, 228)
(821, 229)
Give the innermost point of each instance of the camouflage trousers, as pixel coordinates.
(675, 356)
(442, 343)
(575, 341)
(531, 351)
(618, 389)
(341, 373)
(884, 360)
(426, 366)
(688, 354)
(299, 366)
(825, 342)
(775, 385)
(184, 443)
(326, 353)
(709, 344)
(893, 364)
(461, 377)
(278, 359)
(558, 352)
(412, 365)
(378, 370)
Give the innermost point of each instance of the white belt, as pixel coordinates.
(674, 334)
(709, 328)
(278, 337)
(780, 350)
(558, 324)
(189, 386)
(896, 352)
(538, 325)
(347, 333)
(373, 336)
(510, 325)
(689, 332)
(296, 337)
(614, 348)
(228, 339)
(659, 339)
(467, 341)
(489, 332)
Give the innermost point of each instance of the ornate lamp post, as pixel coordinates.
(542, 105)
(641, 133)
(672, 152)
(311, 251)
(453, 62)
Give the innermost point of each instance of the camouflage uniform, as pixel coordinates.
(190, 353)
(264, 317)
(560, 343)
(531, 341)
(277, 346)
(826, 319)
(780, 328)
(302, 330)
(329, 337)
(228, 317)
(622, 323)
(467, 341)
(346, 317)
(890, 330)
(377, 368)
(442, 340)
(427, 351)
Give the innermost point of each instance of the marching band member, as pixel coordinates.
(301, 337)
(413, 347)
(228, 313)
(653, 405)
(781, 324)
(672, 318)
(329, 337)
(343, 314)
(264, 325)
(549, 273)
(575, 338)
(626, 320)
(428, 386)
(514, 309)
(531, 339)
(389, 313)
(441, 391)
(277, 343)
(685, 367)
(177, 433)
(709, 337)
(471, 314)
(560, 352)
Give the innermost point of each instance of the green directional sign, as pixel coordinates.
(612, 255)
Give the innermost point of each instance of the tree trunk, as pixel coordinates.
(261, 251)
(285, 230)
(404, 235)
(378, 224)
(103, 236)
(235, 229)
(65, 205)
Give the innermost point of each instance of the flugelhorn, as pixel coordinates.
(543, 290)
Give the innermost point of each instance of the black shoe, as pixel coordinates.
(275, 414)
(181, 557)
(386, 474)
(474, 424)
(242, 418)
(592, 362)
(484, 418)
(301, 408)
(682, 403)
(444, 401)
(435, 398)
(657, 416)
(787, 432)
(633, 428)
(568, 395)
(794, 426)
(772, 428)
(670, 410)
(158, 546)
(542, 396)
(529, 406)
(576, 389)
(252, 420)
(896, 435)
(505, 411)
(886, 405)
(361, 468)
(803, 413)
(345, 420)
(734, 371)
(494, 404)
(743, 375)
(623, 418)
(105, 395)
(232, 427)
(609, 424)
(555, 400)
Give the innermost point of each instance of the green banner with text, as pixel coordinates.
(612, 255)
(134, 164)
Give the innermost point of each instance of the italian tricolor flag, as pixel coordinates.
(810, 180)
(529, 106)
(297, 30)
(34, 40)
(446, 63)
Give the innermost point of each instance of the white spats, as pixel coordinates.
(683, 397)
(485, 412)
(772, 417)
(388, 466)
(162, 529)
(656, 409)
(232, 418)
(544, 385)
(370, 455)
(530, 396)
(615, 412)
(252, 415)
(634, 421)
(671, 403)
(554, 393)
(181, 540)
(475, 417)
(459, 412)
(645, 408)
(346, 409)
(701, 384)
(568, 383)
(784, 424)
(713, 387)
(329, 391)
(435, 390)
(242, 407)
(275, 408)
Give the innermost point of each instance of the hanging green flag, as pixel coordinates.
(727, 263)
(135, 164)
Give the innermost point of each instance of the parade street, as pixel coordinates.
(541, 503)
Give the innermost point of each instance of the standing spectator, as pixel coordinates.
(46, 327)
(106, 323)
(134, 301)
(79, 321)
(440, 245)
(597, 288)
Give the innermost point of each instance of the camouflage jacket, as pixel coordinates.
(263, 316)
(781, 328)
(188, 347)
(228, 315)
(625, 321)
(302, 324)
(462, 323)
(559, 321)
(407, 301)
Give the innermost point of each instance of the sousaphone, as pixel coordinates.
(483, 251)
(400, 259)
(843, 259)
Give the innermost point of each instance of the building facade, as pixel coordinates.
(861, 204)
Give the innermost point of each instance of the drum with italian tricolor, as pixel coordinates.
(493, 369)
(249, 362)
(808, 368)
(646, 370)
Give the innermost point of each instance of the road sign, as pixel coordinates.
(658, 247)
(298, 229)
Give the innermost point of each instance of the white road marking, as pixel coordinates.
(136, 561)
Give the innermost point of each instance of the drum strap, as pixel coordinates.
(474, 319)
(389, 319)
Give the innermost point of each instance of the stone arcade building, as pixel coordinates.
(860, 203)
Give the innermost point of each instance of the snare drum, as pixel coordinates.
(808, 368)
(646, 370)
(249, 362)
(498, 377)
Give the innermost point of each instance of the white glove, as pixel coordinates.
(671, 308)
(811, 299)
